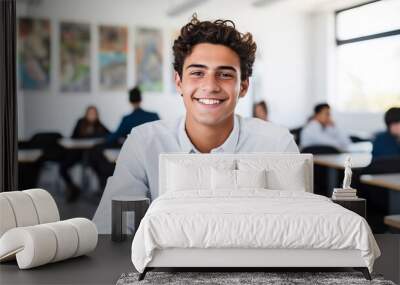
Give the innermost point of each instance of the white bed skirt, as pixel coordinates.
(193, 257)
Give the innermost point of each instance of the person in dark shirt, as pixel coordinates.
(136, 118)
(90, 126)
(97, 160)
(387, 143)
(87, 127)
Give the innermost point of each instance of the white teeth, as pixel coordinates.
(209, 101)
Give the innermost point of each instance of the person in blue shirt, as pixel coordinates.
(136, 118)
(387, 143)
(102, 167)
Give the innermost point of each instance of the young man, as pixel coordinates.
(213, 63)
(322, 131)
(387, 143)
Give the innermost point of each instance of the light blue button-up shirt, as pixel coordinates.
(315, 134)
(136, 170)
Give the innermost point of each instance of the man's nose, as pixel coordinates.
(210, 84)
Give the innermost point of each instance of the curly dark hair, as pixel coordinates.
(221, 32)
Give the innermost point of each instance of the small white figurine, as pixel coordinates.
(347, 174)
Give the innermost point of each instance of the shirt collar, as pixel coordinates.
(229, 146)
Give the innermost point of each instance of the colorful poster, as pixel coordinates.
(148, 51)
(34, 53)
(113, 57)
(74, 57)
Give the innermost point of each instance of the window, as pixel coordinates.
(368, 57)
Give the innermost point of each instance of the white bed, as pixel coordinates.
(201, 219)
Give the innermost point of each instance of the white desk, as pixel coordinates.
(360, 147)
(111, 154)
(29, 155)
(358, 160)
(83, 145)
(389, 181)
(335, 163)
(79, 143)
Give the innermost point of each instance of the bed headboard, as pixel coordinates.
(281, 162)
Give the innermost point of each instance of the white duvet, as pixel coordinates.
(254, 218)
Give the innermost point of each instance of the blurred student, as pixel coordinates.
(322, 131)
(387, 143)
(136, 118)
(97, 160)
(89, 126)
(260, 110)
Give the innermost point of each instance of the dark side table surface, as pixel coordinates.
(104, 265)
(358, 206)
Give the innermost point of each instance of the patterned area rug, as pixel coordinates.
(229, 278)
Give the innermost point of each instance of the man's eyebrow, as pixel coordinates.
(196, 66)
(229, 67)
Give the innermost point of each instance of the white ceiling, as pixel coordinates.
(302, 5)
(176, 7)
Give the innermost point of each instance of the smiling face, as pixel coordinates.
(211, 85)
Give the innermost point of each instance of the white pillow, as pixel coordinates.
(282, 174)
(237, 179)
(251, 178)
(279, 180)
(182, 178)
(223, 179)
(192, 175)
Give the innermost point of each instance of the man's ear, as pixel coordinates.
(178, 82)
(244, 86)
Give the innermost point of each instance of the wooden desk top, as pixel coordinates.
(79, 143)
(29, 155)
(359, 160)
(389, 181)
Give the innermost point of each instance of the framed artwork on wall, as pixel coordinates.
(149, 59)
(34, 53)
(113, 49)
(75, 59)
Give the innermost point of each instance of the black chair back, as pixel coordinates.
(48, 142)
(383, 165)
(320, 149)
(296, 134)
(45, 140)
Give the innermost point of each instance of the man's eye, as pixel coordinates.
(225, 75)
(196, 73)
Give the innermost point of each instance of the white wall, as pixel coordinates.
(281, 33)
(323, 77)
